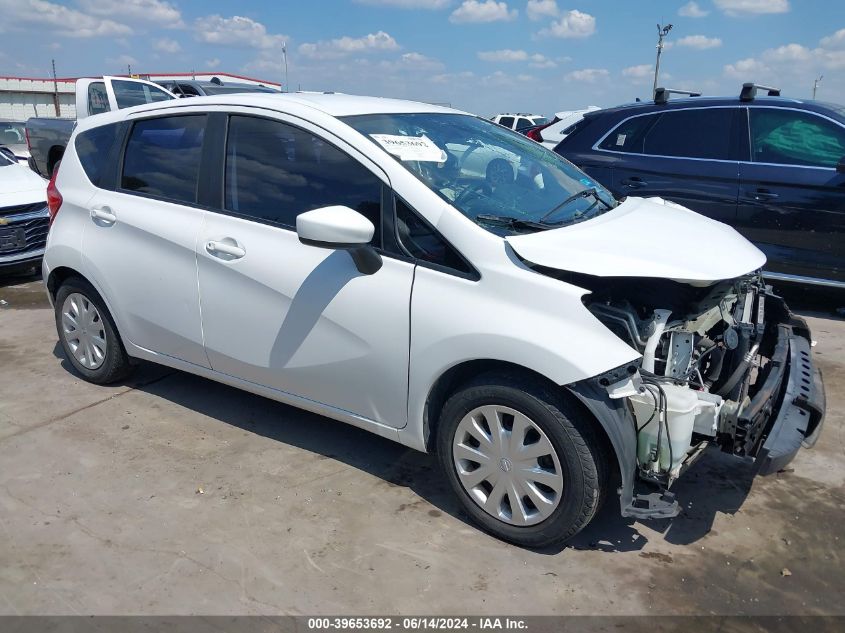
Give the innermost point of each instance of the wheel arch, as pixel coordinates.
(456, 376)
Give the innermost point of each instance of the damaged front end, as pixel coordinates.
(724, 363)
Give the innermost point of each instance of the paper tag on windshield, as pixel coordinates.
(411, 147)
(620, 139)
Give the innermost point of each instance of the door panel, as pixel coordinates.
(303, 320)
(792, 199)
(708, 187)
(796, 216)
(141, 254)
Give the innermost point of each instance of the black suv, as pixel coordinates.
(769, 166)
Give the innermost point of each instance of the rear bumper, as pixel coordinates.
(798, 419)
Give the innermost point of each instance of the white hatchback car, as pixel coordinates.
(342, 254)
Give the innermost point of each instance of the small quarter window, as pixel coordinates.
(424, 243)
(98, 99)
(93, 147)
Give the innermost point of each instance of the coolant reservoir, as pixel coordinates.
(682, 406)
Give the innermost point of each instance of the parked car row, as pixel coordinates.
(436, 279)
(773, 168)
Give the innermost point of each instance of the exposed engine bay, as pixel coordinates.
(706, 354)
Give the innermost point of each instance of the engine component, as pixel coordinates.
(679, 354)
(660, 319)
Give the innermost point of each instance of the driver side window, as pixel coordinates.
(787, 137)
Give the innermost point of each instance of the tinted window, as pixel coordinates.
(520, 122)
(704, 133)
(423, 242)
(132, 93)
(787, 137)
(93, 147)
(187, 90)
(275, 171)
(627, 137)
(98, 100)
(163, 157)
(507, 121)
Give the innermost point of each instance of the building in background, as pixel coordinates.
(25, 97)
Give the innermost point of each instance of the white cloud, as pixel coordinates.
(166, 45)
(475, 11)
(155, 11)
(235, 31)
(745, 7)
(418, 61)
(573, 24)
(541, 9)
(639, 71)
(452, 78)
(507, 55)
(692, 10)
(588, 75)
(746, 69)
(788, 53)
(346, 45)
(700, 42)
(408, 4)
(836, 40)
(212, 63)
(44, 15)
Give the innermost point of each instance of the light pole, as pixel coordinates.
(662, 31)
(285, 55)
(816, 85)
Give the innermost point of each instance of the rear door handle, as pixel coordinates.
(761, 195)
(104, 215)
(634, 182)
(225, 248)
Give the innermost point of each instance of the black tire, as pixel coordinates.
(582, 454)
(116, 364)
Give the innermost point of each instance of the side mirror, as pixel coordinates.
(840, 166)
(340, 228)
(8, 154)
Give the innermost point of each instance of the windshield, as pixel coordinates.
(12, 133)
(502, 180)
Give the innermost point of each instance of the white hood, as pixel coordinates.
(644, 237)
(20, 185)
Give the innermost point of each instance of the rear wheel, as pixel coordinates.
(88, 335)
(525, 464)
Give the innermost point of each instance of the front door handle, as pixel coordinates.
(226, 248)
(634, 182)
(761, 195)
(104, 215)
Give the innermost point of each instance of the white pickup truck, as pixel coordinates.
(47, 138)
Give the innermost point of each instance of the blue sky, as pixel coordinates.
(484, 56)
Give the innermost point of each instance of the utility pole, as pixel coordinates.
(56, 105)
(816, 85)
(285, 55)
(662, 31)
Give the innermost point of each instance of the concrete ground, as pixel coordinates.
(171, 494)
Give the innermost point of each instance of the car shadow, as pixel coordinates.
(716, 484)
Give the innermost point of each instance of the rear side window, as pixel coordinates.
(507, 121)
(132, 93)
(93, 147)
(626, 137)
(162, 157)
(275, 171)
(424, 243)
(788, 137)
(98, 99)
(703, 133)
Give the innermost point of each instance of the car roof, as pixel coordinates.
(642, 107)
(333, 104)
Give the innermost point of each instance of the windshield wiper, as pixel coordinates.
(584, 193)
(511, 222)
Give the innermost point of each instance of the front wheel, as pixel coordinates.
(527, 466)
(88, 335)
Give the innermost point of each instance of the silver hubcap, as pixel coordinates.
(507, 465)
(84, 331)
